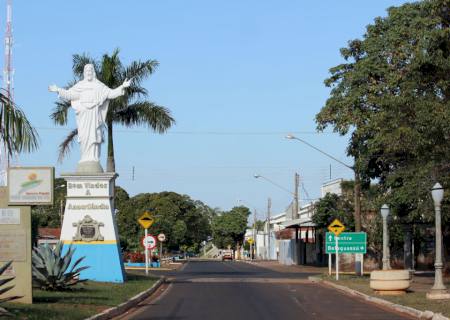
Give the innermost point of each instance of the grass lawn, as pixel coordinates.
(414, 299)
(85, 300)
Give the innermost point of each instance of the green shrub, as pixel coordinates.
(51, 270)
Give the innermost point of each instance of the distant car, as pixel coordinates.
(227, 255)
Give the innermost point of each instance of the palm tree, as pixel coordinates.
(16, 132)
(128, 110)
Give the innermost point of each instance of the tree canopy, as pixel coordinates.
(392, 96)
(333, 207)
(228, 228)
(185, 222)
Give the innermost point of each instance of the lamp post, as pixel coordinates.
(357, 188)
(438, 291)
(384, 214)
(294, 194)
(357, 193)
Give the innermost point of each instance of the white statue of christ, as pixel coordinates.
(90, 99)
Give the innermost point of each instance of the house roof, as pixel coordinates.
(49, 233)
(302, 222)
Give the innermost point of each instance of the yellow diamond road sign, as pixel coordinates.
(250, 240)
(146, 220)
(336, 227)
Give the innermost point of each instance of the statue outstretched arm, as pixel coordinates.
(120, 90)
(63, 93)
(53, 88)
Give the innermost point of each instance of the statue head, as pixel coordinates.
(89, 72)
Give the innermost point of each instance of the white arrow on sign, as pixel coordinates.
(330, 238)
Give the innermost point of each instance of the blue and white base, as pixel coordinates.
(92, 194)
(103, 261)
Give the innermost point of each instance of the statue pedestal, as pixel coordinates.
(90, 227)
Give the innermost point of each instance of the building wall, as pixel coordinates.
(333, 186)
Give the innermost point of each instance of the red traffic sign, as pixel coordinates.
(149, 242)
(162, 237)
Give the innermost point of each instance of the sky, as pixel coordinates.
(236, 75)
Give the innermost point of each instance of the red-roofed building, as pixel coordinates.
(48, 236)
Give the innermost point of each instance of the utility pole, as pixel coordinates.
(357, 194)
(255, 231)
(297, 182)
(269, 204)
(61, 212)
(356, 189)
(357, 216)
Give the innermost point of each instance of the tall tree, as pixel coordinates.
(129, 110)
(392, 95)
(228, 228)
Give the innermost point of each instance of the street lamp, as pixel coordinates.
(384, 214)
(357, 191)
(294, 194)
(438, 291)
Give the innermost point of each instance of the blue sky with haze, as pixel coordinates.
(237, 76)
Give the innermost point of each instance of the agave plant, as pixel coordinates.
(6, 289)
(51, 269)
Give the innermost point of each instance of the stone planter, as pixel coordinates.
(390, 282)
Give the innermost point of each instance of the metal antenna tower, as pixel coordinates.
(8, 88)
(7, 69)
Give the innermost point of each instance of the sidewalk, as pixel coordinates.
(415, 298)
(422, 281)
(276, 266)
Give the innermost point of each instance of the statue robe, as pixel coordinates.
(90, 100)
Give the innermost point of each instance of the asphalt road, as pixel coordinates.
(236, 290)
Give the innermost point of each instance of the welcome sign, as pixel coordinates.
(30, 185)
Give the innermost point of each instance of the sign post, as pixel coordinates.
(251, 241)
(337, 257)
(329, 264)
(337, 228)
(146, 254)
(146, 220)
(149, 243)
(161, 239)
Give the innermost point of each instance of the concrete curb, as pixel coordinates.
(183, 266)
(123, 307)
(426, 315)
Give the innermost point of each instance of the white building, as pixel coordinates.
(332, 186)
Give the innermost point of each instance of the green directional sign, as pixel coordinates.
(348, 242)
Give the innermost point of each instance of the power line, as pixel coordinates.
(224, 133)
